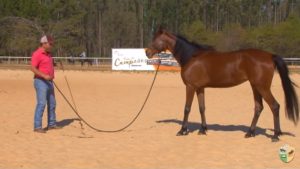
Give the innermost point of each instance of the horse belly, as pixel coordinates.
(219, 79)
(227, 79)
(225, 84)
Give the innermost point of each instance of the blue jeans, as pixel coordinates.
(45, 96)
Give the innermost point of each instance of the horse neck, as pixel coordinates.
(183, 51)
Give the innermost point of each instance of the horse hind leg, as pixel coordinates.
(257, 111)
(188, 103)
(201, 101)
(274, 106)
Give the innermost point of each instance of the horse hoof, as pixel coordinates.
(250, 134)
(183, 132)
(275, 139)
(202, 131)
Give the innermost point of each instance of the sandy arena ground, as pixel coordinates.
(109, 100)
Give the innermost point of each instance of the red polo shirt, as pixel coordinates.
(43, 61)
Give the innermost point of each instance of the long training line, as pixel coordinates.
(71, 94)
(101, 130)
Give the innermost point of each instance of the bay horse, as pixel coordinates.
(202, 66)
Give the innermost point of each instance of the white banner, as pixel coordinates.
(130, 59)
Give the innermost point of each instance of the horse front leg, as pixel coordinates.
(187, 108)
(201, 101)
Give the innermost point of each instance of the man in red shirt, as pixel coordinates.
(43, 69)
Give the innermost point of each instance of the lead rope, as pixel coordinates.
(100, 130)
(69, 88)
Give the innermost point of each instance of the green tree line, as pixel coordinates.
(97, 26)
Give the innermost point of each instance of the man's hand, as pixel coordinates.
(47, 77)
(39, 73)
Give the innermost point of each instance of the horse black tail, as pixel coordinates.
(291, 100)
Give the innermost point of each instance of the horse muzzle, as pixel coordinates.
(149, 53)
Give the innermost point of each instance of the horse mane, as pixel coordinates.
(186, 49)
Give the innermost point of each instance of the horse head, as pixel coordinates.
(161, 41)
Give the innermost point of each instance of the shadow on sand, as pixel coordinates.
(192, 126)
(66, 122)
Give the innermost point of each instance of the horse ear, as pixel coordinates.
(160, 29)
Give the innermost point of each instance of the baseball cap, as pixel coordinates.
(46, 39)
